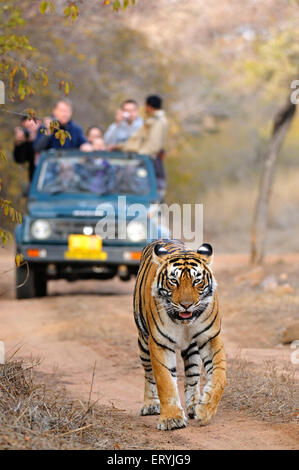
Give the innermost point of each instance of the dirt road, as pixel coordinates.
(86, 323)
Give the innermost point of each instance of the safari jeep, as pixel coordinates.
(89, 216)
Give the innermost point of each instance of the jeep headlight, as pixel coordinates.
(41, 229)
(136, 231)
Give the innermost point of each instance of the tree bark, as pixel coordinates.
(282, 122)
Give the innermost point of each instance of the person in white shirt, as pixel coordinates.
(127, 123)
(150, 139)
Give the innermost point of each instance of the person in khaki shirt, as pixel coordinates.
(150, 139)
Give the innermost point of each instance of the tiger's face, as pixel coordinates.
(185, 284)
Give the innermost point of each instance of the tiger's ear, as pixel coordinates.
(159, 253)
(206, 253)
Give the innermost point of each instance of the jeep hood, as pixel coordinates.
(79, 207)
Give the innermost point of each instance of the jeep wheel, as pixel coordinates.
(40, 284)
(36, 284)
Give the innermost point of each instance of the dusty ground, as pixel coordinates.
(83, 324)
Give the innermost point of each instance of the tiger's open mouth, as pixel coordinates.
(185, 315)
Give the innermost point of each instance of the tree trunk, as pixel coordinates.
(282, 122)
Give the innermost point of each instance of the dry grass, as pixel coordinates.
(264, 392)
(35, 417)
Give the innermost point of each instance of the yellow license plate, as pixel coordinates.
(85, 247)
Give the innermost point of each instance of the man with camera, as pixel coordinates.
(150, 139)
(25, 134)
(62, 114)
(127, 123)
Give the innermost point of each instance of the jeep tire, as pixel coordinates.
(36, 284)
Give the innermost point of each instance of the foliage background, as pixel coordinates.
(223, 69)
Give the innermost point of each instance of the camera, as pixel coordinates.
(26, 133)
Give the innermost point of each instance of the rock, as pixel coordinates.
(290, 333)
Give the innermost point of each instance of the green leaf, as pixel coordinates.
(116, 5)
(24, 70)
(67, 11)
(19, 259)
(4, 237)
(62, 135)
(54, 125)
(52, 7)
(22, 90)
(74, 12)
(43, 7)
(67, 88)
(45, 79)
(3, 156)
(12, 214)
(19, 217)
(12, 76)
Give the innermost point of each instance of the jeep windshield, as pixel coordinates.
(93, 174)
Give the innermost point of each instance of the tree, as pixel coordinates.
(276, 76)
(10, 211)
(24, 78)
(282, 122)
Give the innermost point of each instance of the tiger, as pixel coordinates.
(176, 308)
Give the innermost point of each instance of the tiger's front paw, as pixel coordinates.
(175, 420)
(169, 424)
(150, 409)
(203, 413)
(191, 411)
